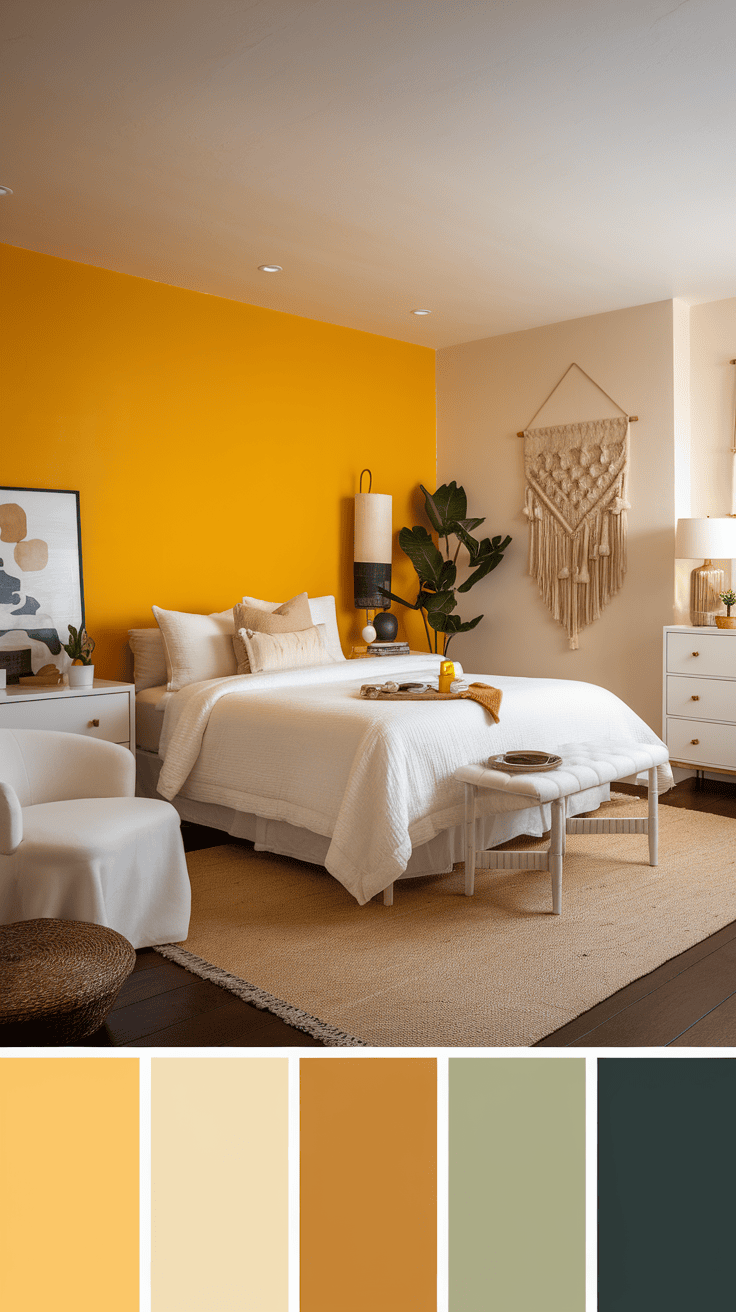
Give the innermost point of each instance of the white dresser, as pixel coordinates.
(699, 715)
(106, 710)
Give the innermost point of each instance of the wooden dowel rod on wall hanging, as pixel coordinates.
(633, 419)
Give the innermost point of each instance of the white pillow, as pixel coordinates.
(149, 658)
(323, 612)
(286, 651)
(197, 646)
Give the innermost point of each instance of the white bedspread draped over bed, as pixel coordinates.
(374, 777)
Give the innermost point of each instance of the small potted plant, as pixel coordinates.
(729, 600)
(79, 649)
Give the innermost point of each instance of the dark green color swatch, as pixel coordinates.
(517, 1185)
(666, 1184)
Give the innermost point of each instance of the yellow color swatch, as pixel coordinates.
(219, 1207)
(69, 1184)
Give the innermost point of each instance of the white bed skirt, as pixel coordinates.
(434, 858)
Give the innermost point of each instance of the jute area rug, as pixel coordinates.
(441, 970)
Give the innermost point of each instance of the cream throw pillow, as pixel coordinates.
(323, 612)
(293, 616)
(286, 651)
(197, 646)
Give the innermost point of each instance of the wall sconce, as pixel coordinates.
(372, 554)
(709, 540)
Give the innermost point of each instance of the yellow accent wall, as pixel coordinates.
(216, 446)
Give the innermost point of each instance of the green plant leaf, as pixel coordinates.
(472, 545)
(449, 504)
(423, 554)
(470, 524)
(453, 624)
(439, 605)
(486, 560)
(448, 574)
(433, 514)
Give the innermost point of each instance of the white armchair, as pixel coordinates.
(76, 844)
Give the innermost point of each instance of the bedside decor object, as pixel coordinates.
(727, 621)
(49, 676)
(709, 540)
(79, 649)
(576, 505)
(436, 600)
(372, 552)
(386, 626)
(15, 661)
(40, 568)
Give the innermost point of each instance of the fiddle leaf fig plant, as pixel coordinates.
(80, 646)
(447, 512)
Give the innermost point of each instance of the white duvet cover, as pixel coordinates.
(375, 778)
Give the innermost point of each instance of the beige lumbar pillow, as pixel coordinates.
(286, 651)
(197, 646)
(293, 616)
(322, 610)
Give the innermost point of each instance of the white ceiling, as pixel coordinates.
(504, 163)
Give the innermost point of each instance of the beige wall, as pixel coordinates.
(487, 390)
(712, 401)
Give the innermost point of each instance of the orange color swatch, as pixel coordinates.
(368, 1185)
(69, 1215)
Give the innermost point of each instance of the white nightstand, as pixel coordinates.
(699, 714)
(106, 710)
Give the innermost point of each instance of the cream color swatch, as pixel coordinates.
(219, 1207)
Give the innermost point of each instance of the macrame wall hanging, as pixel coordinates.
(576, 477)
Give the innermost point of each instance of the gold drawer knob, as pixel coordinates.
(696, 653)
(695, 697)
(694, 741)
(94, 724)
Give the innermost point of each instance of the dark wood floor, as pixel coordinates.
(690, 1001)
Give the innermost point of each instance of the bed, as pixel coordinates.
(300, 764)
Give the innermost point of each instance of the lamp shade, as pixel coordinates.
(706, 539)
(372, 554)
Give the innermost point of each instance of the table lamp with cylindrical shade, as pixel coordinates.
(372, 555)
(706, 540)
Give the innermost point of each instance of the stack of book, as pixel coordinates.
(383, 649)
(388, 649)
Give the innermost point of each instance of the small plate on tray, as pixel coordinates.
(524, 762)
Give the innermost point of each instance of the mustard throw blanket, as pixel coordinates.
(489, 697)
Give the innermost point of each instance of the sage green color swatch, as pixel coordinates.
(517, 1185)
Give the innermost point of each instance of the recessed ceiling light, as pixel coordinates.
(270, 268)
(5, 191)
(421, 311)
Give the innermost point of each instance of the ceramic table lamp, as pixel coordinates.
(372, 554)
(706, 540)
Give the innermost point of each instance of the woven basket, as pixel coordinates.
(16, 661)
(58, 979)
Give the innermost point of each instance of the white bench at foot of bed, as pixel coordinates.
(584, 765)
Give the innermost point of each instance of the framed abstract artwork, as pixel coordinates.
(41, 590)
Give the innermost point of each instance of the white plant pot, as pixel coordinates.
(81, 676)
